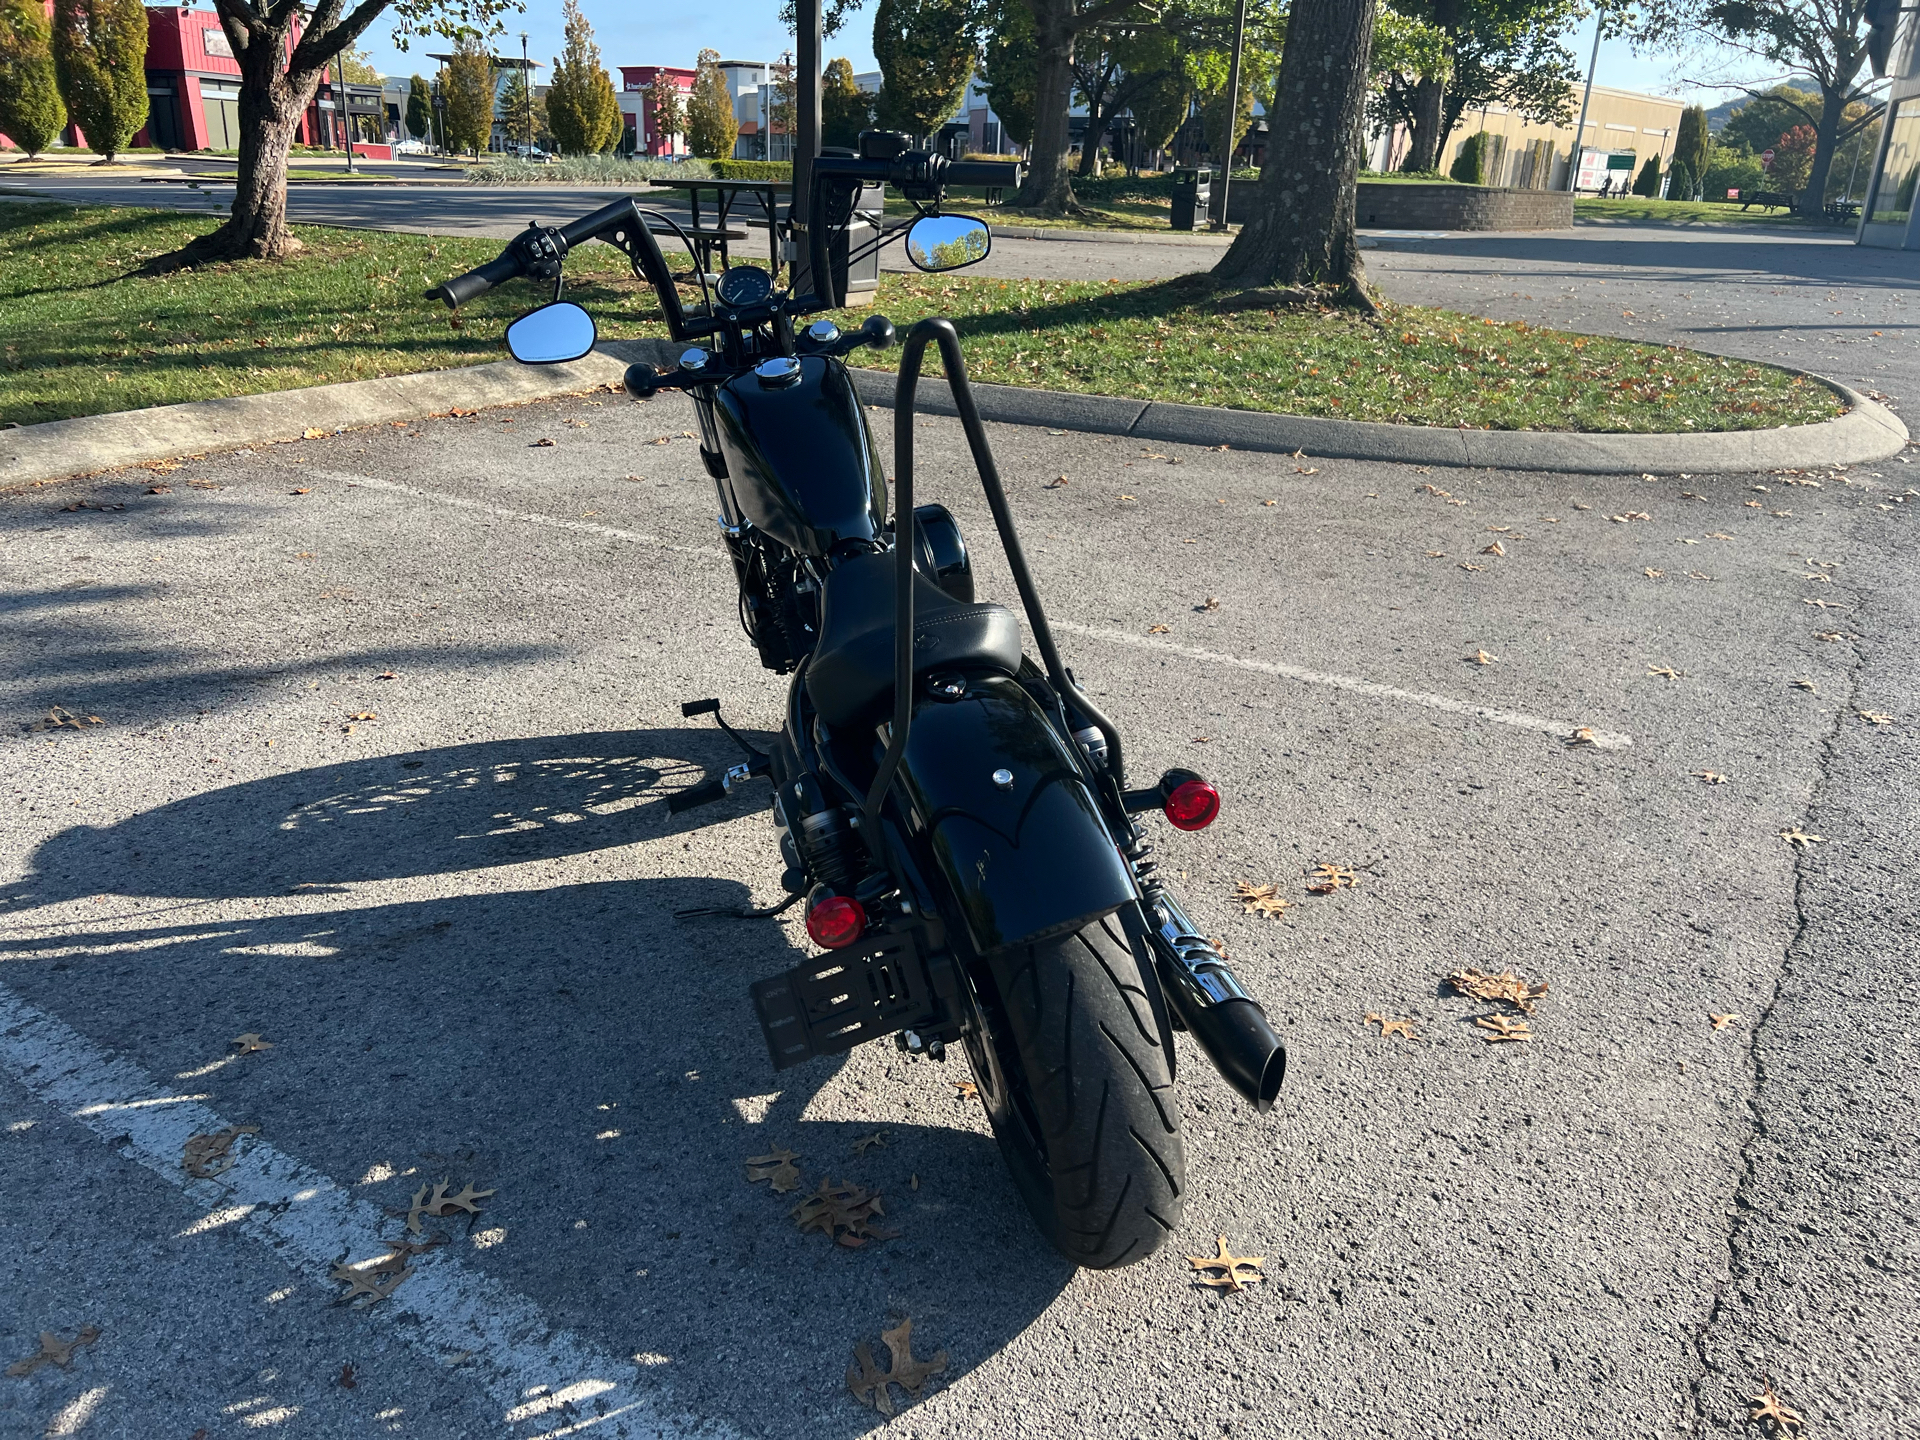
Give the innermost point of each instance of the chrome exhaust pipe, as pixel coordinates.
(1209, 1000)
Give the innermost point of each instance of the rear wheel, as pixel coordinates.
(1073, 1062)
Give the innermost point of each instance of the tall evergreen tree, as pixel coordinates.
(712, 127)
(582, 107)
(845, 109)
(468, 87)
(100, 61)
(30, 110)
(1690, 142)
(419, 108)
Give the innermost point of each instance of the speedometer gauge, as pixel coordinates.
(745, 285)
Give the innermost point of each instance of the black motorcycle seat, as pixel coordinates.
(852, 666)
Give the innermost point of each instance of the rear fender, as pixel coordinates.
(1022, 861)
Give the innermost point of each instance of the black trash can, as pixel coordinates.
(1192, 196)
(854, 253)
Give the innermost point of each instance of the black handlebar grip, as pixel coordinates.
(1000, 173)
(877, 332)
(462, 288)
(641, 380)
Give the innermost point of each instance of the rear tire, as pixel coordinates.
(1075, 1068)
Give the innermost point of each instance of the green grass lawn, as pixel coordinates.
(1418, 366)
(100, 337)
(1635, 209)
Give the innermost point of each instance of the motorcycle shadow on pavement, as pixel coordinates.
(469, 964)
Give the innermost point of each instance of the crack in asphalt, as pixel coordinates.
(1740, 1209)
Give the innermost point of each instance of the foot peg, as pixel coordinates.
(758, 763)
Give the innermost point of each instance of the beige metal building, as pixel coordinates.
(1621, 124)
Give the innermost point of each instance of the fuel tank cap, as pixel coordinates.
(781, 370)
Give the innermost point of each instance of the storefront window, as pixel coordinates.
(1893, 188)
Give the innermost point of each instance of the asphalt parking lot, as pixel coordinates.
(386, 723)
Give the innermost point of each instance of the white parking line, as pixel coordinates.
(553, 1382)
(529, 517)
(1605, 739)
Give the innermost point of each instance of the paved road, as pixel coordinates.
(504, 210)
(455, 923)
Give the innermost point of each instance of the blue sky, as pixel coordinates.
(751, 30)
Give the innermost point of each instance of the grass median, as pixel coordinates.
(87, 333)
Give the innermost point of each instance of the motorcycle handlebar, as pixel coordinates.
(983, 172)
(462, 288)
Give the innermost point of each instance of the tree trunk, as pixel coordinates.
(271, 104)
(1833, 105)
(1423, 144)
(1091, 141)
(1300, 229)
(1047, 188)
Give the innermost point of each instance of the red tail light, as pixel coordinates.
(1192, 805)
(836, 921)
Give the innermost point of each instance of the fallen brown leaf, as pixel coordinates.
(1056, 483)
(1582, 735)
(1261, 899)
(440, 1203)
(1212, 602)
(776, 1167)
(1469, 565)
(1325, 879)
(1664, 671)
(1876, 717)
(1388, 1026)
(1653, 574)
(1496, 548)
(868, 1384)
(1720, 1022)
(1158, 629)
(843, 1212)
(966, 1088)
(1779, 1417)
(1503, 1028)
(346, 1381)
(313, 434)
(1712, 777)
(869, 1142)
(250, 1043)
(1236, 1272)
(205, 1156)
(545, 444)
(1800, 839)
(1506, 987)
(1807, 685)
(303, 490)
(367, 1282)
(54, 1351)
(1481, 657)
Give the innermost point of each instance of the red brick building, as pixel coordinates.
(193, 88)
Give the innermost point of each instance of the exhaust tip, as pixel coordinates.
(1271, 1076)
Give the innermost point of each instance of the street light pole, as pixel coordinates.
(1579, 134)
(1233, 109)
(340, 105)
(526, 87)
(806, 127)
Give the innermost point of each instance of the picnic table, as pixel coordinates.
(726, 195)
(1843, 212)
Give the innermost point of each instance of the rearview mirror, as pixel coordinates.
(947, 242)
(552, 334)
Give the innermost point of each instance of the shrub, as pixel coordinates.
(1470, 165)
(100, 61)
(1647, 182)
(753, 169)
(30, 110)
(586, 170)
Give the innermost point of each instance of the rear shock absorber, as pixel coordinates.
(828, 851)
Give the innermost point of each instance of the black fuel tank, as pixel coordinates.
(802, 461)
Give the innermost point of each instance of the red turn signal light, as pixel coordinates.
(1191, 805)
(837, 921)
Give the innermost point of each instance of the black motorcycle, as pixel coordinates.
(954, 817)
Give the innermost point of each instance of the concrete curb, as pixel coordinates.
(1867, 432)
(62, 449)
